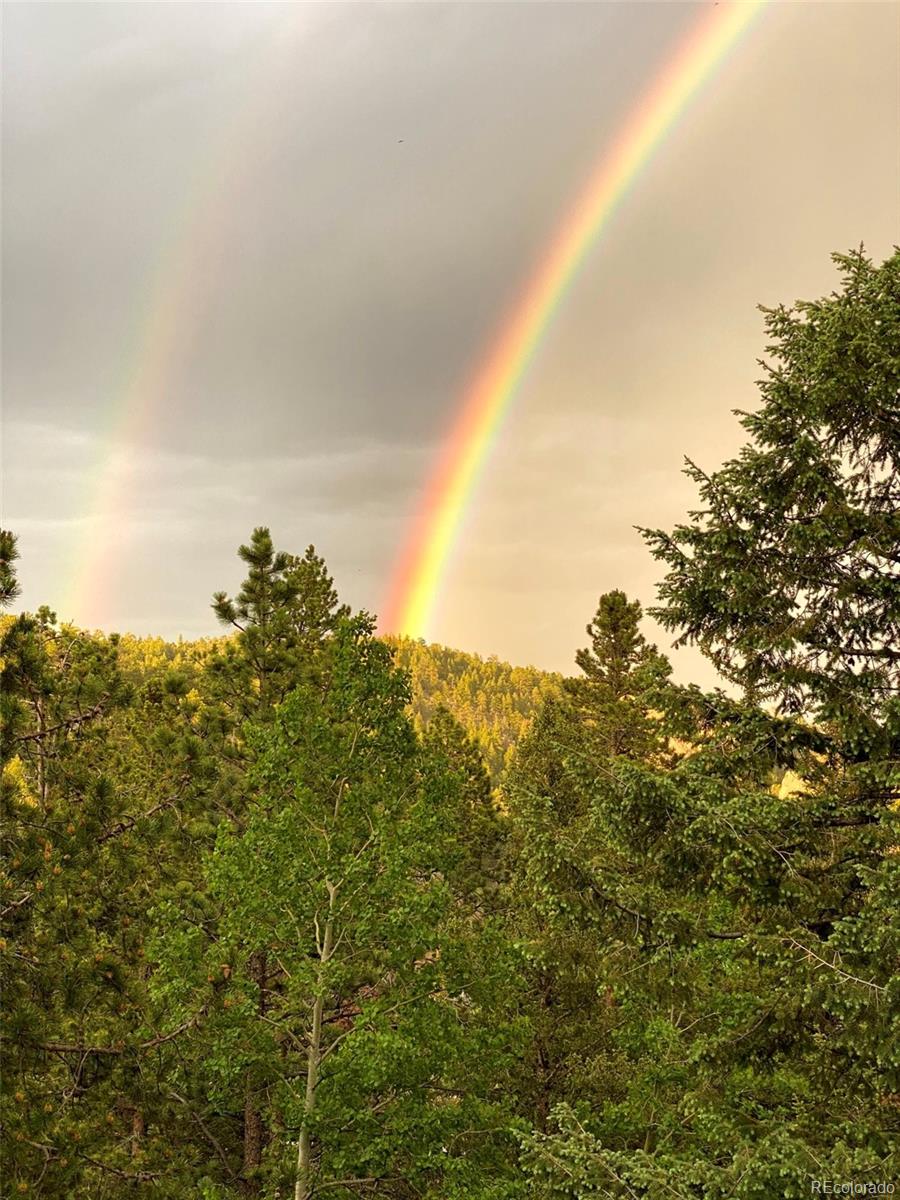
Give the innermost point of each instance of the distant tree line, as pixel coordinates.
(493, 701)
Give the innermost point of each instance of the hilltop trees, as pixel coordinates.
(493, 701)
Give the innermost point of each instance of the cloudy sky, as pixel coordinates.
(252, 254)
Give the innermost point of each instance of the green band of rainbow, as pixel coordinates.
(418, 576)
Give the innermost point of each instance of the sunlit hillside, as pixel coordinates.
(492, 700)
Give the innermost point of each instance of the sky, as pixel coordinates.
(253, 253)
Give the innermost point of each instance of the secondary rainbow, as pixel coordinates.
(174, 299)
(418, 576)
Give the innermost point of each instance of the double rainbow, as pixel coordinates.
(418, 576)
(165, 325)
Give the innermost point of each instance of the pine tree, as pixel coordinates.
(284, 610)
(9, 584)
(282, 617)
(71, 964)
(624, 678)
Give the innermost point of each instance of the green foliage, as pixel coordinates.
(475, 864)
(788, 574)
(72, 957)
(285, 608)
(366, 1041)
(9, 584)
(709, 958)
(624, 681)
(272, 926)
(566, 873)
(742, 935)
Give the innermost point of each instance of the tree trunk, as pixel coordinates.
(138, 1129)
(543, 1060)
(254, 1129)
(41, 754)
(542, 1100)
(302, 1187)
(253, 1138)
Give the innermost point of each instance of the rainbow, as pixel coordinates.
(419, 572)
(173, 302)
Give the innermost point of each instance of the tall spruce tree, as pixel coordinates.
(623, 678)
(570, 889)
(759, 964)
(788, 576)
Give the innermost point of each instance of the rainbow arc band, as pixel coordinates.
(418, 576)
(173, 299)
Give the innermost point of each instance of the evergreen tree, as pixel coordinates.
(282, 616)
(71, 963)
(789, 575)
(624, 677)
(283, 611)
(9, 584)
(746, 931)
(479, 845)
(571, 887)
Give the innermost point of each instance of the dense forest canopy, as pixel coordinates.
(301, 912)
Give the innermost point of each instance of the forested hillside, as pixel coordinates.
(493, 701)
(266, 933)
